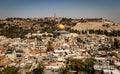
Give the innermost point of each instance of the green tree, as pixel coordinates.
(10, 70)
(116, 43)
(89, 63)
(28, 73)
(49, 46)
(14, 32)
(64, 70)
(79, 40)
(104, 49)
(85, 66)
(77, 64)
(40, 69)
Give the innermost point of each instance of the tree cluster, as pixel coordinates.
(104, 49)
(40, 69)
(85, 66)
(10, 70)
(116, 44)
(14, 32)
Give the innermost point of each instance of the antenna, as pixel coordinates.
(54, 15)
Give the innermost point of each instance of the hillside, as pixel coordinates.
(104, 25)
(19, 27)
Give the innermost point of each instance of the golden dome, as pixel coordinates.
(60, 27)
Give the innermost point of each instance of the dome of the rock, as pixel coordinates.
(60, 27)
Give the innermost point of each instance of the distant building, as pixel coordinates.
(60, 30)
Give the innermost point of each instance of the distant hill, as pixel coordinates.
(15, 27)
(95, 25)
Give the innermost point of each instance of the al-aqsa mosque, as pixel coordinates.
(60, 29)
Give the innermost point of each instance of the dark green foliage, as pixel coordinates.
(101, 32)
(10, 70)
(49, 46)
(116, 43)
(67, 21)
(14, 32)
(89, 63)
(74, 31)
(39, 69)
(2, 25)
(83, 65)
(64, 70)
(79, 40)
(77, 64)
(104, 49)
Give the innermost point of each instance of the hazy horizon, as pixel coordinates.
(107, 9)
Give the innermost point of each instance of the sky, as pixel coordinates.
(107, 9)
